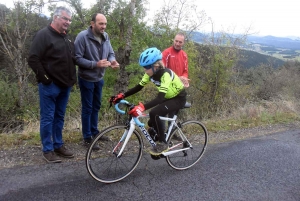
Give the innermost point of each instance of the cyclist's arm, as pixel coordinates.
(133, 90)
(139, 86)
(159, 99)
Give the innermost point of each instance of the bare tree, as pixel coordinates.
(219, 71)
(181, 15)
(15, 28)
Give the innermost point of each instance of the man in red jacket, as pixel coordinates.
(176, 59)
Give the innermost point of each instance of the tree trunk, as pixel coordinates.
(124, 52)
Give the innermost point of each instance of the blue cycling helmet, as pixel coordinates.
(149, 57)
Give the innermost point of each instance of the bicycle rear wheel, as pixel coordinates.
(104, 165)
(197, 137)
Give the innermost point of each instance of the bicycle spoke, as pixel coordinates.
(196, 135)
(104, 165)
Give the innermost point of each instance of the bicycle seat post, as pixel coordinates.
(172, 123)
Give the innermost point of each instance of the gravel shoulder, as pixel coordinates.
(32, 155)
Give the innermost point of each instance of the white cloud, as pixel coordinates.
(266, 17)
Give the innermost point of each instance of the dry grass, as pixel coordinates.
(249, 116)
(254, 115)
(252, 120)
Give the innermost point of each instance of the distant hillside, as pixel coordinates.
(278, 42)
(249, 58)
(271, 41)
(254, 59)
(198, 37)
(259, 50)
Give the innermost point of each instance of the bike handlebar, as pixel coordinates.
(117, 106)
(125, 102)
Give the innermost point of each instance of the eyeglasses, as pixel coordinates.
(148, 67)
(65, 18)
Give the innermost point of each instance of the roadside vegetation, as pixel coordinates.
(224, 95)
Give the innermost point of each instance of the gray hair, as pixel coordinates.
(59, 10)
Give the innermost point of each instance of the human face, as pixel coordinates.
(99, 25)
(62, 22)
(148, 71)
(178, 42)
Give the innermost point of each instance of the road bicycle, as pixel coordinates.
(120, 155)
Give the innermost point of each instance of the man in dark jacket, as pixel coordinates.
(94, 53)
(51, 58)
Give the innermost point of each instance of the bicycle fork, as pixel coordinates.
(124, 139)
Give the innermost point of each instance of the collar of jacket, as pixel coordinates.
(91, 35)
(56, 31)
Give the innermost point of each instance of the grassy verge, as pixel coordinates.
(249, 122)
(8, 141)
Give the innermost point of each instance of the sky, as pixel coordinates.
(265, 17)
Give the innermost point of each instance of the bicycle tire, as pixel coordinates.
(104, 165)
(196, 133)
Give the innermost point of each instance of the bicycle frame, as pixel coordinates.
(120, 155)
(135, 121)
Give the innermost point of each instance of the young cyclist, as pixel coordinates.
(171, 94)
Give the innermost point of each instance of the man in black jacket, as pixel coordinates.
(51, 58)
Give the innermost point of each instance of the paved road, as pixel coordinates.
(260, 169)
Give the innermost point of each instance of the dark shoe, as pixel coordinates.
(51, 157)
(64, 152)
(87, 143)
(103, 138)
(160, 148)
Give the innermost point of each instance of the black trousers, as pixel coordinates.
(169, 106)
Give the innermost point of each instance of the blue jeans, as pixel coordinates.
(53, 104)
(91, 94)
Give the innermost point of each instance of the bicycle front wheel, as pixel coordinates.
(196, 142)
(105, 165)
